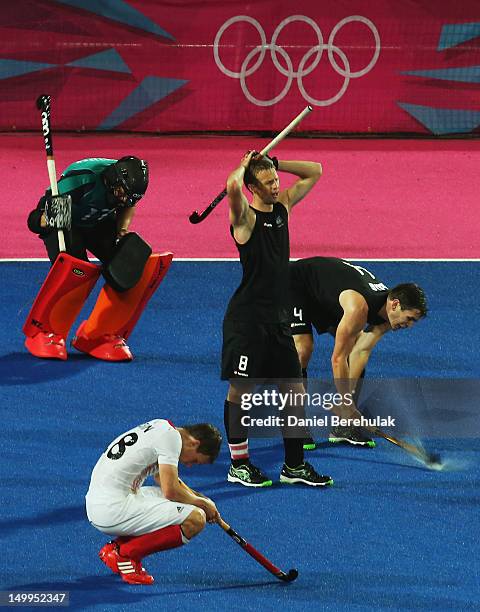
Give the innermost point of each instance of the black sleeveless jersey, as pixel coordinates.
(317, 283)
(263, 293)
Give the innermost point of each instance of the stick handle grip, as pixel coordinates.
(52, 175)
(291, 126)
(225, 526)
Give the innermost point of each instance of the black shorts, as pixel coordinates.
(258, 351)
(300, 320)
(304, 316)
(99, 240)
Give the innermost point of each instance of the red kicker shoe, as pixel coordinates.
(108, 554)
(47, 345)
(131, 571)
(107, 347)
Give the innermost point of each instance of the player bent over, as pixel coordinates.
(348, 301)
(95, 206)
(150, 519)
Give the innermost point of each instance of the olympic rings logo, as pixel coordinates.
(290, 73)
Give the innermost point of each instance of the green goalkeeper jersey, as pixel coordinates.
(91, 200)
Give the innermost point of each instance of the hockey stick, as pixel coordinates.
(197, 217)
(429, 459)
(273, 569)
(290, 577)
(43, 105)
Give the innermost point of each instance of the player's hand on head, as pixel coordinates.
(246, 159)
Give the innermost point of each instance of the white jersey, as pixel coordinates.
(131, 457)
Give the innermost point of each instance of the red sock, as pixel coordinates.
(138, 547)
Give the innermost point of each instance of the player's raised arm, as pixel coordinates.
(237, 201)
(308, 172)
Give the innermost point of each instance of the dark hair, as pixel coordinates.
(209, 436)
(411, 297)
(254, 167)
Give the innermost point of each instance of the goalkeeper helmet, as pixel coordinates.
(131, 174)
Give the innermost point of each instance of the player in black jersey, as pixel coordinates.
(257, 342)
(350, 302)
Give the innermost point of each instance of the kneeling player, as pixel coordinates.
(150, 519)
(96, 205)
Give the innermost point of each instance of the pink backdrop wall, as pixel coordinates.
(154, 66)
(380, 199)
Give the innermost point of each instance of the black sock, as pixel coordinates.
(293, 451)
(236, 432)
(308, 437)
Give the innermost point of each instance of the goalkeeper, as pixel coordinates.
(95, 206)
(102, 194)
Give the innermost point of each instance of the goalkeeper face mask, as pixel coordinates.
(127, 180)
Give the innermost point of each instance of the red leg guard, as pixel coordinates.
(139, 547)
(61, 296)
(115, 314)
(60, 299)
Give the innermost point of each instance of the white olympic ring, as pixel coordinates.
(302, 72)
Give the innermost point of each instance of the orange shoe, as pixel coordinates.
(47, 345)
(107, 347)
(131, 571)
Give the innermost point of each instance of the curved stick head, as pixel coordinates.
(290, 577)
(194, 217)
(43, 102)
(433, 462)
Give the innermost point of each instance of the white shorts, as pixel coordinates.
(138, 513)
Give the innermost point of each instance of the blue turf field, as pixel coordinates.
(389, 535)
